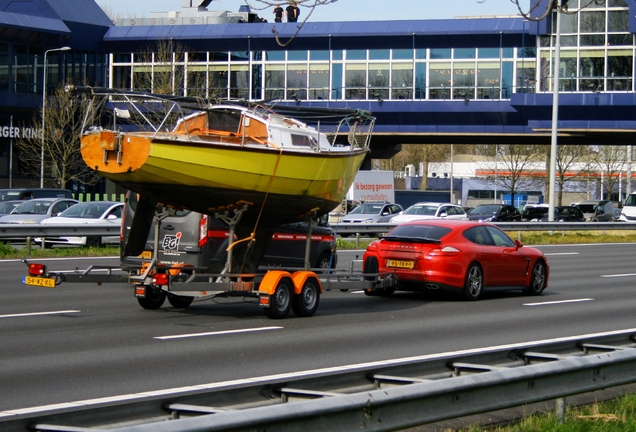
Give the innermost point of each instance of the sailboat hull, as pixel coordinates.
(211, 177)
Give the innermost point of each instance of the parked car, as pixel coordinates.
(35, 210)
(86, 213)
(561, 214)
(464, 257)
(597, 210)
(27, 194)
(190, 238)
(628, 212)
(7, 207)
(428, 210)
(372, 212)
(494, 213)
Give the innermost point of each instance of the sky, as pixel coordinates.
(342, 10)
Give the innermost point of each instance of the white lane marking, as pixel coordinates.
(217, 333)
(559, 302)
(39, 313)
(562, 253)
(303, 374)
(618, 275)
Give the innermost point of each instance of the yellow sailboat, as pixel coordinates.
(212, 159)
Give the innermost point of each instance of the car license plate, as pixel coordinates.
(39, 281)
(146, 255)
(401, 264)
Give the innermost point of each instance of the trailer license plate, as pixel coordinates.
(401, 264)
(39, 281)
(146, 255)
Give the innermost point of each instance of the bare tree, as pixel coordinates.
(610, 161)
(59, 143)
(569, 166)
(515, 168)
(416, 153)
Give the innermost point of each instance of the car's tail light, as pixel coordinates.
(203, 230)
(37, 269)
(160, 279)
(445, 251)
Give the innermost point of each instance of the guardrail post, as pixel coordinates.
(357, 240)
(560, 410)
(28, 247)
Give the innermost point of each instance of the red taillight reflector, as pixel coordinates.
(264, 300)
(160, 279)
(203, 230)
(37, 269)
(140, 291)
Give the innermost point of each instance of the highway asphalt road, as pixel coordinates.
(81, 341)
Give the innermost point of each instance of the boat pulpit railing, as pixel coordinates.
(134, 111)
(356, 129)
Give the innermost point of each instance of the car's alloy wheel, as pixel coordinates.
(474, 285)
(538, 279)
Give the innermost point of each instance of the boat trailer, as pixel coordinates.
(276, 290)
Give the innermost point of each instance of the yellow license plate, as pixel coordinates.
(401, 264)
(146, 255)
(39, 281)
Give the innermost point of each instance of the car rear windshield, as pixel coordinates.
(367, 209)
(417, 233)
(422, 210)
(485, 209)
(587, 208)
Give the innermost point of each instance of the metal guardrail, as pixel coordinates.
(37, 230)
(380, 396)
(364, 228)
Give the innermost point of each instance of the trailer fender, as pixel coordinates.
(270, 281)
(300, 277)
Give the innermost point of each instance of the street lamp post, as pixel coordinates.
(555, 111)
(65, 48)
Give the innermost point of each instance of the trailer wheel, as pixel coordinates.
(306, 303)
(154, 298)
(180, 302)
(280, 301)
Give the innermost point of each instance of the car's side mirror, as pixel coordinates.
(111, 217)
(518, 244)
(443, 215)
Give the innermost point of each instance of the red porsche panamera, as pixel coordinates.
(461, 256)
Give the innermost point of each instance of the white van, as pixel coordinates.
(628, 212)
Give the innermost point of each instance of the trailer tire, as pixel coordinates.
(280, 302)
(154, 298)
(306, 302)
(179, 302)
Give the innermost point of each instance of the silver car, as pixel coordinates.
(372, 212)
(35, 210)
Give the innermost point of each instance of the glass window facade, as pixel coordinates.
(597, 54)
(597, 50)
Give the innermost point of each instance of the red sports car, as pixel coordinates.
(462, 256)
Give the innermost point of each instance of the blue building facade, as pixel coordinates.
(28, 31)
(460, 81)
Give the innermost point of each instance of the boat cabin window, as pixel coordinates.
(228, 121)
(303, 140)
